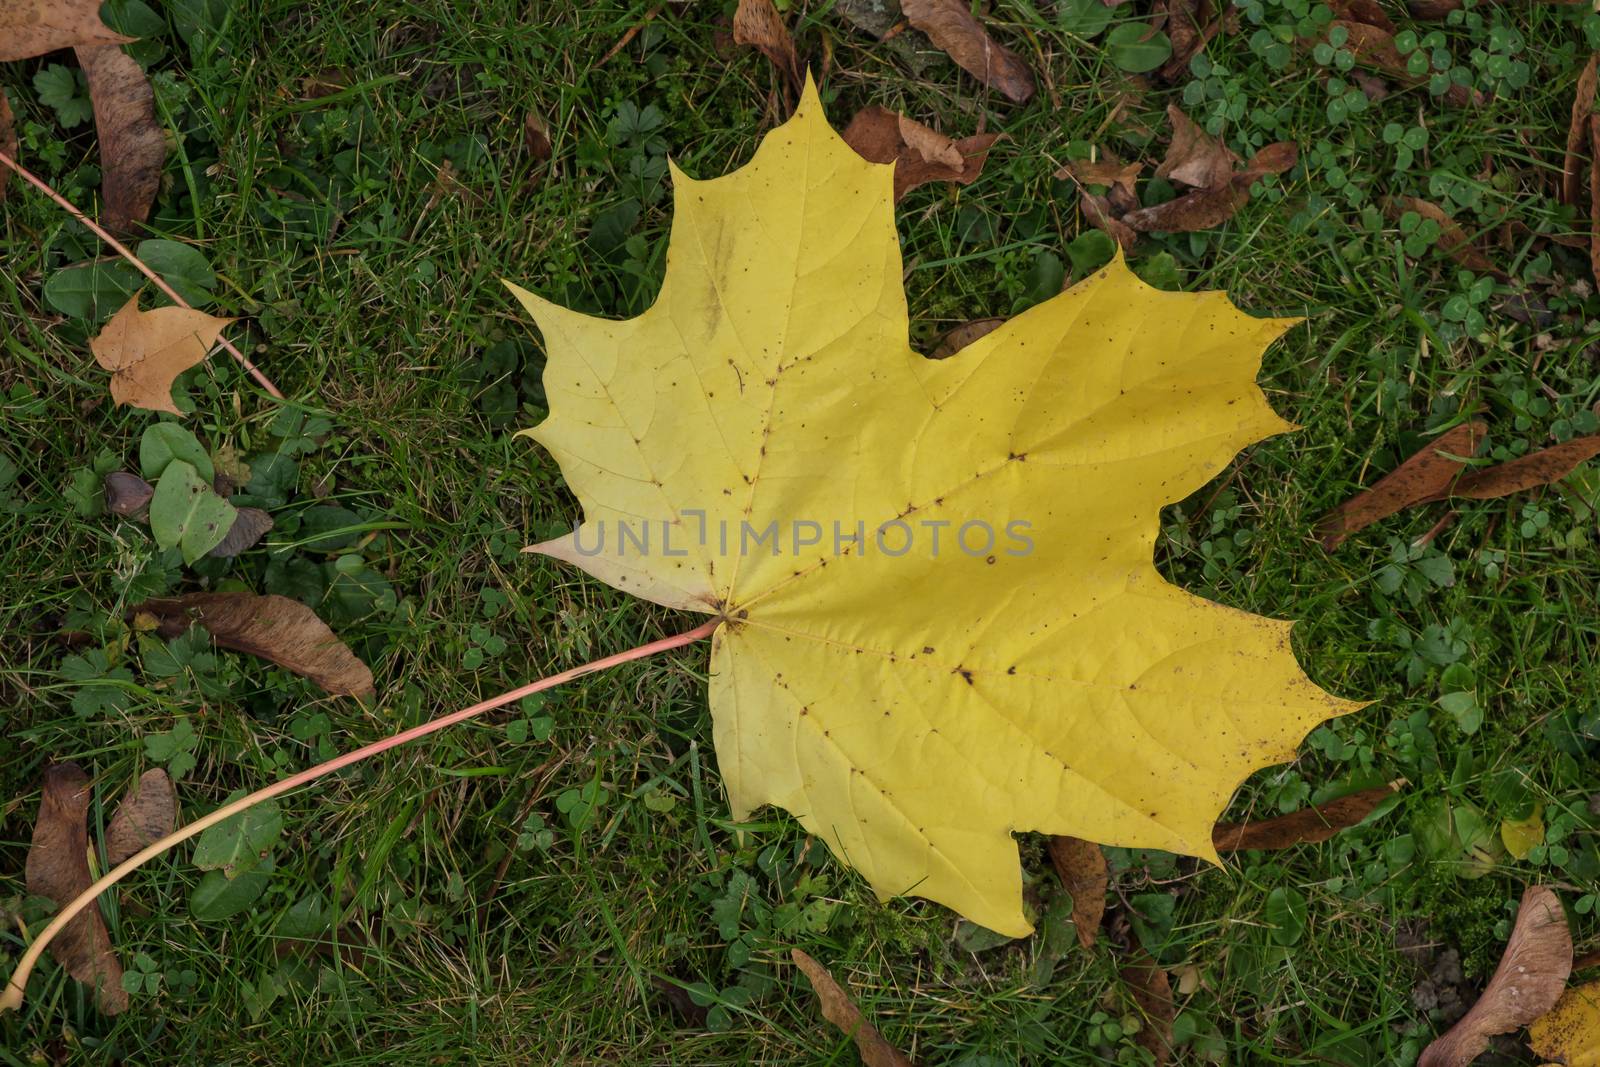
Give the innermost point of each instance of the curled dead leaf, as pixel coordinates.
(536, 136)
(1190, 26)
(1097, 209)
(1109, 171)
(953, 29)
(1594, 196)
(961, 336)
(1306, 826)
(1453, 240)
(920, 154)
(1419, 479)
(58, 868)
(128, 495)
(146, 350)
(1368, 11)
(756, 23)
(1152, 993)
(147, 813)
(1525, 472)
(1205, 208)
(278, 629)
(1081, 866)
(841, 1011)
(1528, 982)
(31, 28)
(1195, 157)
(133, 147)
(1578, 132)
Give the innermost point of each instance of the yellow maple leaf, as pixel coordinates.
(1570, 1032)
(942, 624)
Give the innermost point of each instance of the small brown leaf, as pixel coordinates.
(1108, 171)
(1578, 132)
(757, 23)
(1369, 12)
(1525, 472)
(132, 144)
(1205, 208)
(58, 868)
(1419, 479)
(8, 141)
(128, 495)
(840, 1010)
(1152, 993)
(1195, 157)
(1081, 866)
(1374, 46)
(1190, 25)
(1528, 982)
(1453, 240)
(31, 28)
(961, 336)
(920, 155)
(953, 29)
(536, 135)
(249, 526)
(1304, 827)
(146, 350)
(1097, 209)
(278, 629)
(148, 812)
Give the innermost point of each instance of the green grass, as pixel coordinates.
(372, 296)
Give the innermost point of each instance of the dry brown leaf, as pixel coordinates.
(1421, 478)
(1453, 240)
(1097, 209)
(1525, 472)
(1375, 47)
(1195, 157)
(132, 144)
(1528, 982)
(1152, 992)
(953, 29)
(148, 812)
(1205, 208)
(249, 526)
(1369, 12)
(536, 135)
(146, 350)
(1303, 827)
(1081, 866)
(1109, 171)
(8, 141)
(128, 495)
(1578, 132)
(1190, 25)
(58, 868)
(1570, 1032)
(757, 23)
(841, 1011)
(920, 154)
(961, 336)
(278, 629)
(31, 28)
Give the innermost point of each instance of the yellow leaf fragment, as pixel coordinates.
(942, 624)
(1570, 1032)
(146, 350)
(1521, 835)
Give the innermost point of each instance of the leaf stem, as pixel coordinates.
(12, 998)
(123, 250)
